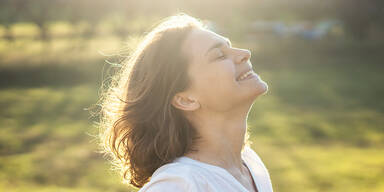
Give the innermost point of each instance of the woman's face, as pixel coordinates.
(221, 75)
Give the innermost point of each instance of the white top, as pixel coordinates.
(187, 174)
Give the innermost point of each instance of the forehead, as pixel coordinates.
(199, 41)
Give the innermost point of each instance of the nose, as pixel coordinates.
(243, 55)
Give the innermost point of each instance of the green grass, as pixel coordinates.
(47, 144)
(322, 167)
(319, 127)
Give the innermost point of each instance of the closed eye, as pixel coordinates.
(220, 54)
(221, 57)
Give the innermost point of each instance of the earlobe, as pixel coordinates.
(185, 103)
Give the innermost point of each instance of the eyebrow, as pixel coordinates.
(219, 44)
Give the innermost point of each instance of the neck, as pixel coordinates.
(222, 139)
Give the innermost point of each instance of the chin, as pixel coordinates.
(260, 89)
(254, 90)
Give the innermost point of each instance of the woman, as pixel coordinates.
(175, 120)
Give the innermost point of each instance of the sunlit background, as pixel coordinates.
(319, 128)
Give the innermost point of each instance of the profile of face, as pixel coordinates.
(221, 76)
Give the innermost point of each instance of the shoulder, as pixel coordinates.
(174, 177)
(250, 154)
(258, 168)
(254, 160)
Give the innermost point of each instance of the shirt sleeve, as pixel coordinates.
(166, 182)
(254, 160)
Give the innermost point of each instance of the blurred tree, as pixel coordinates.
(91, 12)
(9, 14)
(41, 13)
(360, 16)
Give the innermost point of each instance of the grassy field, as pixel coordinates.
(319, 128)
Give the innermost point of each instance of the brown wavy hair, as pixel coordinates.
(139, 127)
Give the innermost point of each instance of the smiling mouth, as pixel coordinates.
(246, 75)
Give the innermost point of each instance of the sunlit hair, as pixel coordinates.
(139, 127)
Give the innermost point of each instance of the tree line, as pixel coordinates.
(358, 16)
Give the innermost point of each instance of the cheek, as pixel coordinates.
(220, 75)
(217, 82)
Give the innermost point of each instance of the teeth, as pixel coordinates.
(245, 75)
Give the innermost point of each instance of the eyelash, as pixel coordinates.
(223, 56)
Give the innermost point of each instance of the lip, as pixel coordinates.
(254, 75)
(242, 73)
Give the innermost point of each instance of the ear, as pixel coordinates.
(185, 102)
